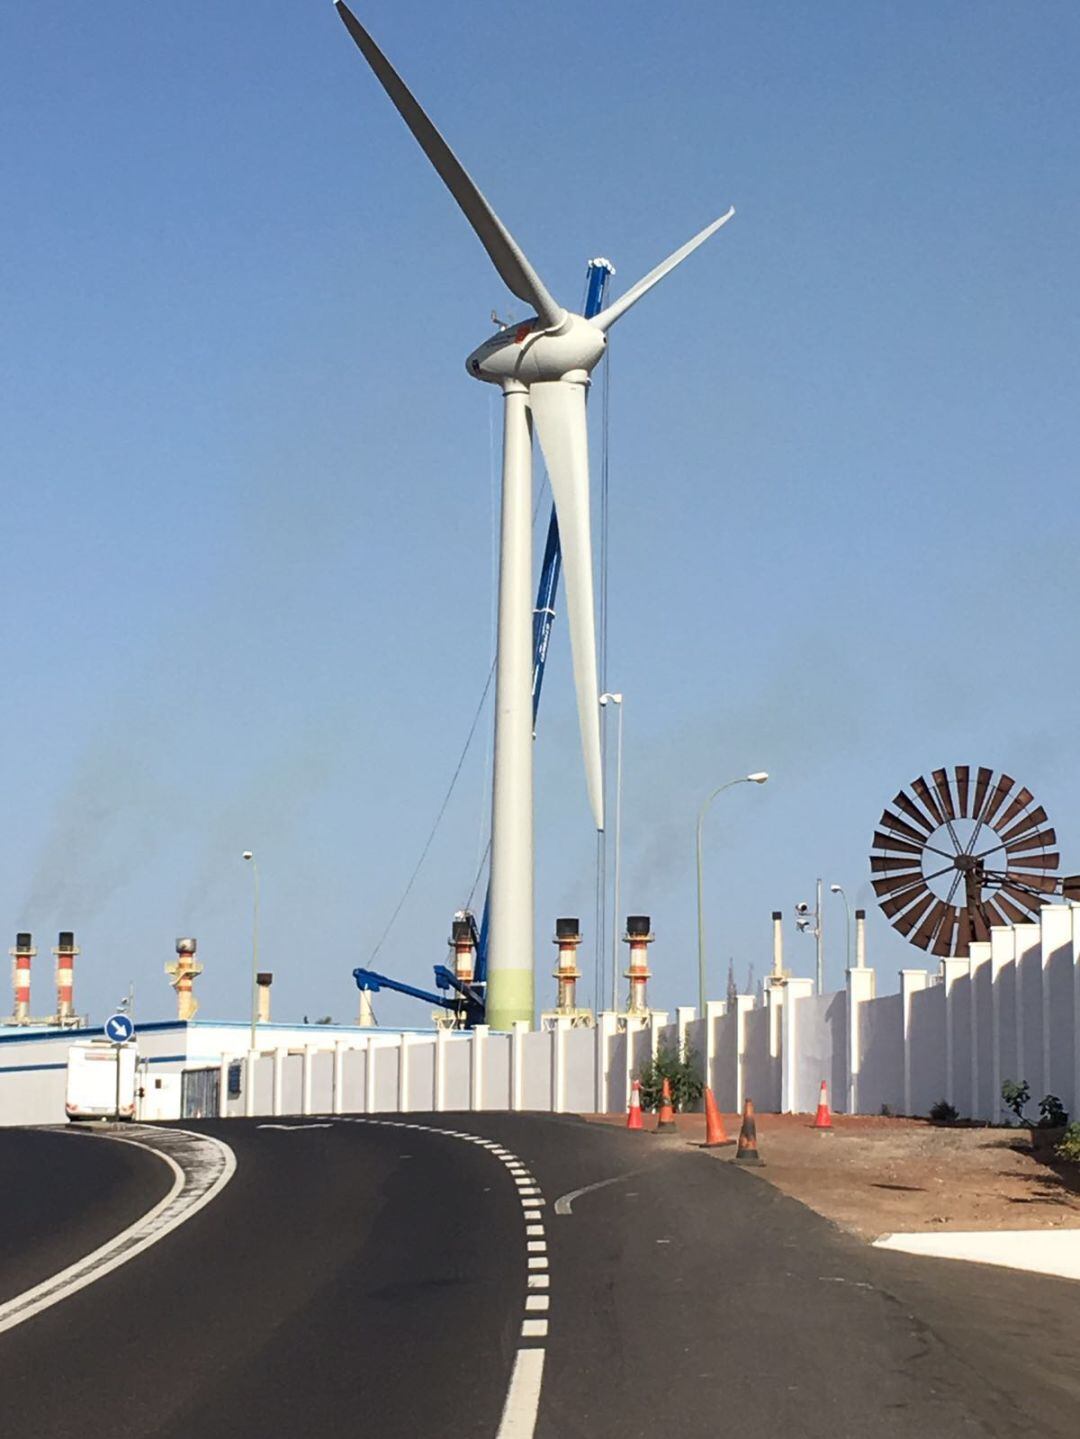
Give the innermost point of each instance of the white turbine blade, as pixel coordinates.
(506, 255)
(607, 318)
(558, 408)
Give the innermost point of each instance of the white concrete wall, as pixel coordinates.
(1010, 1011)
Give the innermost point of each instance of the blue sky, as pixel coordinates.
(248, 487)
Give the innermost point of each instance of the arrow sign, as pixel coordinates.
(119, 1028)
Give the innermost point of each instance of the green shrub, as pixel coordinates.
(1016, 1096)
(1052, 1113)
(943, 1112)
(1069, 1148)
(681, 1070)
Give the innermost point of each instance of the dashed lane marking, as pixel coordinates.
(523, 1396)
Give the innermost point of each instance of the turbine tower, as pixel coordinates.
(542, 367)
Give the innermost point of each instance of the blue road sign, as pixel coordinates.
(119, 1028)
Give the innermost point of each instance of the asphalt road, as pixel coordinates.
(365, 1279)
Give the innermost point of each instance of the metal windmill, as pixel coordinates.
(962, 855)
(542, 366)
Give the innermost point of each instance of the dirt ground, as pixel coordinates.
(879, 1176)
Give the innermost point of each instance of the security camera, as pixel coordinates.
(802, 907)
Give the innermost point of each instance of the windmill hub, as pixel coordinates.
(530, 354)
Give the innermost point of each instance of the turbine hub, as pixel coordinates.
(529, 353)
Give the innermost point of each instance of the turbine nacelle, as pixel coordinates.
(531, 354)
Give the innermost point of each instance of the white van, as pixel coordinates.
(91, 1081)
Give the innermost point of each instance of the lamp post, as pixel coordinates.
(757, 778)
(839, 889)
(605, 700)
(254, 946)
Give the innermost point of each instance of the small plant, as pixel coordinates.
(1052, 1113)
(886, 1111)
(1016, 1096)
(1069, 1148)
(943, 1112)
(682, 1070)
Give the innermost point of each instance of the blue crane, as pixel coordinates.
(467, 1001)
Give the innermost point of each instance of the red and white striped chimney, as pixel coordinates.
(22, 954)
(638, 936)
(65, 951)
(567, 938)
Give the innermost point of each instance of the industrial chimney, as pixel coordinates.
(22, 954)
(263, 980)
(65, 951)
(638, 936)
(567, 937)
(777, 947)
(184, 971)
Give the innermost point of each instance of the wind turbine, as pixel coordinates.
(542, 367)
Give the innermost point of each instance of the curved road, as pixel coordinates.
(364, 1278)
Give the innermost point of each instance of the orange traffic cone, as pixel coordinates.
(666, 1118)
(747, 1150)
(633, 1114)
(823, 1119)
(715, 1134)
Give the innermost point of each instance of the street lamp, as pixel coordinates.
(839, 889)
(605, 700)
(254, 947)
(758, 777)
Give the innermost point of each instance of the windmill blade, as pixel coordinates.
(944, 794)
(1035, 861)
(981, 784)
(997, 798)
(963, 775)
(1012, 912)
(506, 255)
(907, 922)
(558, 409)
(1024, 898)
(1042, 839)
(896, 882)
(912, 810)
(926, 931)
(943, 942)
(894, 822)
(1021, 801)
(887, 841)
(1030, 882)
(1030, 821)
(990, 909)
(882, 864)
(607, 317)
(922, 789)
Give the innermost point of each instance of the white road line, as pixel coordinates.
(523, 1396)
(563, 1203)
(205, 1167)
(295, 1126)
